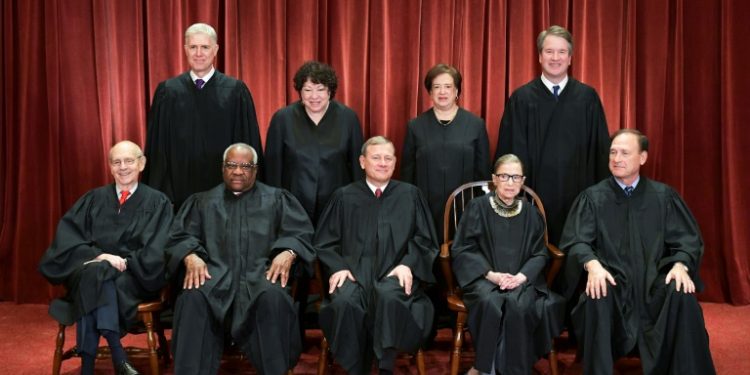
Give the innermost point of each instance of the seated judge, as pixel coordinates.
(499, 257)
(377, 244)
(232, 249)
(640, 250)
(109, 253)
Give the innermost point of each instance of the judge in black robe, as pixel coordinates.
(378, 255)
(313, 145)
(232, 247)
(641, 248)
(189, 128)
(110, 257)
(511, 324)
(561, 139)
(446, 146)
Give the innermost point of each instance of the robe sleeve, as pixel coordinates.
(247, 126)
(599, 142)
(72, 245)
(147, 262)
(682, 237)
(295, 230)
(482, 154)
(408, 156)
(185, 236)
(328, 236)
(422, 248)
(469, 264)
(534, 266)
(355, 148)
(513, 137)
(156, 173)
(274, 157)
(577, 241)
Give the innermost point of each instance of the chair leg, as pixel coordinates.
(458, 342)
(163, 349)
(421, 370)
(553, 360)
(59, 343)
(323, 358)
(148, 320)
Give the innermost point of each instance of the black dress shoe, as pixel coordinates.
(126, 368)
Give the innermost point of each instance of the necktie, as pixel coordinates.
(378, 193)
(124, 196)
(199, 83)
(628, 191)
(556, 91)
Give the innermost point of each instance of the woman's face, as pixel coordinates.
(443, 92)
(315, 97)
(507, 190)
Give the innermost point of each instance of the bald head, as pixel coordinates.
(126, 162)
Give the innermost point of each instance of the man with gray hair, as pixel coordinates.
(232, 248)
(194, 116)
(376, 243)
(556, 126)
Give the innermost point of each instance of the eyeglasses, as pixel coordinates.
(128, 162)
(503, 177)
(246, 167)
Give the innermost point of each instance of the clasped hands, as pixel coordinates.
(196, 270)
(598, 277)
(506, 281)
(401, 272)
(118, 262)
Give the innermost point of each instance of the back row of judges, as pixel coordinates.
(236, 242)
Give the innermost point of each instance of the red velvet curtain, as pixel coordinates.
(78, 75)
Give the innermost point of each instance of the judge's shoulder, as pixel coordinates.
(607, 188)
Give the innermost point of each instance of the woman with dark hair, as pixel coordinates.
(446, 146)
(313, 145)
(499, 256)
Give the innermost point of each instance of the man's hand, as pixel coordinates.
(337, 280)
(280, 267)
(196, 272)
(512, 281)
(497, 278)
(403, 273)
(120, 263)
(596, 285)
(679, 274)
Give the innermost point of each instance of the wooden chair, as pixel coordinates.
(325, 361)
(454, 208)
(148, 314)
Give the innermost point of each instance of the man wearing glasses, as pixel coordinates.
(233, 248)
(109, 253)
(640, 248)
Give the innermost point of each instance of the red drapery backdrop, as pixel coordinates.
(78, 75)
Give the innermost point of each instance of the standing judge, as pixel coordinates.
(377, 244)
(446, 146)
(313, 145)
(556, 126)
(641, 250)
(233, 248)
(109, 253)
(499, 257)
(193, 118)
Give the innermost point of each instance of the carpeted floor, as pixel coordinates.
(27, 338)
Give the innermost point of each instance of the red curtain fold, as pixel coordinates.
(78, 75)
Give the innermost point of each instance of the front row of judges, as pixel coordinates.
(235, 250)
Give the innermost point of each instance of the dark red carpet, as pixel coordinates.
(27, 339)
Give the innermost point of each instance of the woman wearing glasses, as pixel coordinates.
(499, 256)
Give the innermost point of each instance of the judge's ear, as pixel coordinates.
(643, 157)
(142, 163)
(362, 161)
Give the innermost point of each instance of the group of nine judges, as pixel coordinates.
(236, 246)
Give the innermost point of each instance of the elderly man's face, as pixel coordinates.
(378, 162)
(126, 162)
(555, 58)
(625, 157)
(200, 51)
(239, 170)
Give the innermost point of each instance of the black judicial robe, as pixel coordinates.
(96, 224)
(563, 144)
(370, 236)
(238, 236)
(189, 129)
(638, 240)
(487, 242)
(311, 161)
(439, 158)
